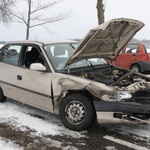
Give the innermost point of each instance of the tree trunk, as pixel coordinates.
(100, 11)
(28, 20)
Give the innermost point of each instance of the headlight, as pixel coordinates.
(120, 95)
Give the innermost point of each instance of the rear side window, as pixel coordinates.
(131, 48)
(10, 54)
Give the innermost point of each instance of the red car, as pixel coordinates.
(135, 56)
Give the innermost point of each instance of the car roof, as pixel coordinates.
(44, 41)
(1, 45)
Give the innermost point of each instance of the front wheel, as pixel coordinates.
(77, 112)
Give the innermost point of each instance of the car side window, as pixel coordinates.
(131, 49)
(32, 55)
(10, 54)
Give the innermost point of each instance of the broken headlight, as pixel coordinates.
(118, 96)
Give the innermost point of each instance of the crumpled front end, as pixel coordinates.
(106, 86)
(117, 91)
(68, 83)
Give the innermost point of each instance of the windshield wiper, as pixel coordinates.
(72, 46)
(89, 62)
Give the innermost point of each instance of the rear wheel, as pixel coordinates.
(77, 112)
(136, 68)
(2, 97)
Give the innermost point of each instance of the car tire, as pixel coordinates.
(2, 97)
(77, 112)
(136, 68)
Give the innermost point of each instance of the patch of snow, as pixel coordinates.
(52, 143)
(8, 145)
(9, 114)
(19, 117)
(24, 118)
(110, 148)
(69, 148)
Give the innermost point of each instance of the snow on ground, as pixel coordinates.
(110, 148)
(23, 119)
(8, 145)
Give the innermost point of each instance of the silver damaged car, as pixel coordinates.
(73, 79)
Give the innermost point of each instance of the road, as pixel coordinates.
(26, 128)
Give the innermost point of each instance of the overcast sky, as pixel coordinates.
(83, 18)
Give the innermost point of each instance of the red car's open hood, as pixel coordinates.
(106, 40)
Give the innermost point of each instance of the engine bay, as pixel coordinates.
(113, 76)
(128, 85)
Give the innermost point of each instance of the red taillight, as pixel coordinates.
(145, 56)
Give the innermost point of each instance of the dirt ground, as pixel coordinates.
(94, 141)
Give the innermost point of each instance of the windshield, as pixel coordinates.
(60, 52)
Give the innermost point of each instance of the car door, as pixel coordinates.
(34, 87)
(8, 67)
(127, 56)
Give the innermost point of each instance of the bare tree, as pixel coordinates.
(5, 9)
(100, 11)
(37, 14)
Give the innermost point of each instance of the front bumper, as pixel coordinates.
(124, 107)
(122, 112)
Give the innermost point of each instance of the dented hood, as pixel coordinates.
(106, 40)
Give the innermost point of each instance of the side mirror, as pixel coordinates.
(37, 67)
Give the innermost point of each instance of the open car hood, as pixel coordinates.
(106, 40)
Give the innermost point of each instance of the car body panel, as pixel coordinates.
(38, 92)
(8, 81)
(26, 86)
(109, 118)
(106, 40)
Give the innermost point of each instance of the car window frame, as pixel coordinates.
(8, 45)
(132, 52)
(22, 56)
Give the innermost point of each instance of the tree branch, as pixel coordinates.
(5, 9)
(20, 17)
(57, 18)
(41, 6)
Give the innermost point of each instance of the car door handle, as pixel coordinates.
(19, 77)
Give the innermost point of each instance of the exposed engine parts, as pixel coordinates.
(114, 76)
(127, 82)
